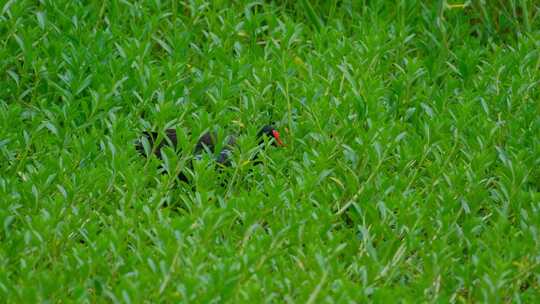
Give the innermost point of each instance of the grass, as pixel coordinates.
(410, 172)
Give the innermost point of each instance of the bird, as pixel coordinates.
(205, 143)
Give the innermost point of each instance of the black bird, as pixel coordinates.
(207, 142)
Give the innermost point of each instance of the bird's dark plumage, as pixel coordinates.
(152, 137)
(207, 142)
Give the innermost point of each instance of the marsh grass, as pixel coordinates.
(410, 172)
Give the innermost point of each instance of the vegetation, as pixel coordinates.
(410, 171)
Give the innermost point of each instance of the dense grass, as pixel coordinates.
(410, 172)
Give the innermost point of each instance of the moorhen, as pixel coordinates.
(207, 142)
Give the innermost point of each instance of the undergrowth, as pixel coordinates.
(410, 171)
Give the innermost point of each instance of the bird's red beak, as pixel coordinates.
(276, 137)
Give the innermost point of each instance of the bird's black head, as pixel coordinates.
(271, 133)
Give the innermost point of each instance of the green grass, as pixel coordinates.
(411, 170)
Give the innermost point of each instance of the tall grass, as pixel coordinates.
(410, 172)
